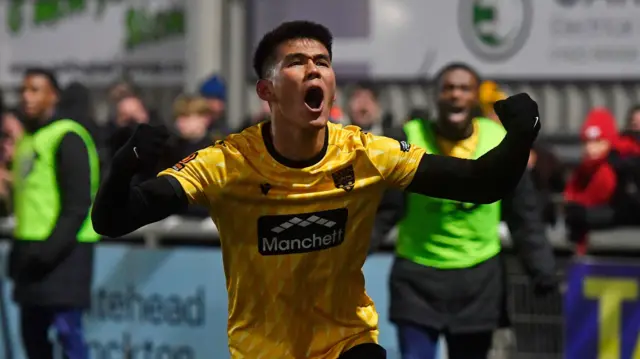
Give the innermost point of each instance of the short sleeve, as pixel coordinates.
(199, 174)
(397, 161)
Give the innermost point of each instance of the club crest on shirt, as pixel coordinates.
(344, 179)
(183, 162)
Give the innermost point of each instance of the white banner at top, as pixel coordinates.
(523, 39)
(377, 39)
(93, 40)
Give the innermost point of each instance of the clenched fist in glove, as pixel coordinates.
(143, 149)
(519, 115)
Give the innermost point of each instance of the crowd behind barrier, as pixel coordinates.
(164, 265)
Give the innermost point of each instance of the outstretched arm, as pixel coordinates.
(121, 208)
(495, 174)
(485, 180)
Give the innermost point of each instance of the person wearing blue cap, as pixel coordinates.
(214, 90)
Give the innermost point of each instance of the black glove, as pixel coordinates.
(519, 115)
(143, 149)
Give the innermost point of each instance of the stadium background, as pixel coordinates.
(570, 55)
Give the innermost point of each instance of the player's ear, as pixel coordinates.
(264, 89)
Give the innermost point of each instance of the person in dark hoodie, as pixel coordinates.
(593, 183)
(56, 176)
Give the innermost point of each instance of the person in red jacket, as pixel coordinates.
(593, 182)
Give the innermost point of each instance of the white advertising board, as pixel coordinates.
(519, 39)
(93, 40)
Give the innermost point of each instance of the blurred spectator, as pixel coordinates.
(191, 115)
(448, 276)
(51, 262)
(489, 94)
(633, 119)
(592, 184)
(364, 110)
(260, 116)
(119, 90)
(76, 104)
(547, 173)
(130, 110)
(625, 159)
(12, 131)
(336, 115)
(215, 91)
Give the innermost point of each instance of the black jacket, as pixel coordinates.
(58, 271)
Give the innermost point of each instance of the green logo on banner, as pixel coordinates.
(142, 25)
(495, 30)
(145, 27)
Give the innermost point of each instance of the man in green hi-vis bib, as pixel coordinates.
(448, 277)
(55, 176)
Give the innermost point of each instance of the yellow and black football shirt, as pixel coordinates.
(294, 239)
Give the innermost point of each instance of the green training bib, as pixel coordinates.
(36, 193)
(448, 234)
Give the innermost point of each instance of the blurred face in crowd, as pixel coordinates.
(38, 98)
(363, 108)
(192, 126)
(596, 149)
(119, 91)
(12, 130)
(301, 85)
(457, 98)
(217, 107)
(634, 123)
(131, 110)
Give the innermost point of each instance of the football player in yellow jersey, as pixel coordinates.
(294, 201)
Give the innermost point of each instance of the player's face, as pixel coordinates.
(302, 89)
(458, 97)
(38, 96)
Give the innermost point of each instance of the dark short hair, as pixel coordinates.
(265, 52)
(366, 86)
(48, 74)
(456, 66)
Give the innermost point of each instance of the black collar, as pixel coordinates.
(268, 142)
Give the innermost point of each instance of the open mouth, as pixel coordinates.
(314, 98)
(458, 114)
